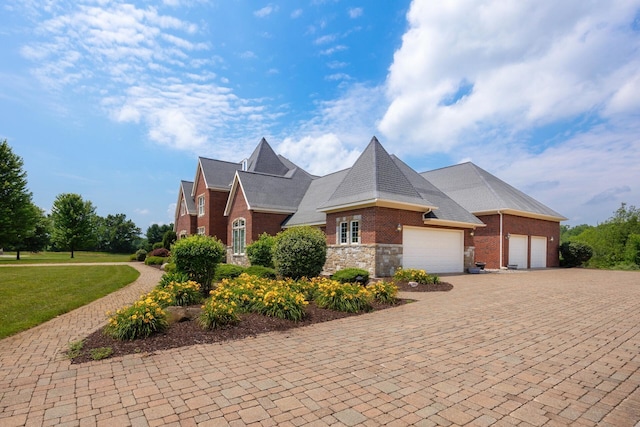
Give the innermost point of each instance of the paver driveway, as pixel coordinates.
(553, 347)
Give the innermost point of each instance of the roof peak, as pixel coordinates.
(265, 160)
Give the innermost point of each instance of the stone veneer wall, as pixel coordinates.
(469, 257)
(380, 260)
(242, 260)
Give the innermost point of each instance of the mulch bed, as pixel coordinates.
(190, 333)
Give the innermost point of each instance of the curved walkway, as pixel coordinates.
(542, 348)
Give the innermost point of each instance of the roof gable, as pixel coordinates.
(479, 191)
(184, 196)
(265, 160)
(217, 174)
(374, 177)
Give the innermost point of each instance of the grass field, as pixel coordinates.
(30, 296)
(61, 257)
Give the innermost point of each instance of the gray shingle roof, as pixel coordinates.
(265, 160)
(319, 190)
(374, 176)
(479, 191)
(187, 188)
(447, 208)
(274, 193)
(218, 174)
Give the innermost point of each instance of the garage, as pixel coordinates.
(433, 250)
(518, 250)
(538, 252)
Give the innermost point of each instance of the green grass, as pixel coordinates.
(30, 296)
(61, 257)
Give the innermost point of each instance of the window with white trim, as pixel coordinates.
(201, 230)
(238, 236)
(183, 208)
(343, 238)
(355, 232)
(201, 205)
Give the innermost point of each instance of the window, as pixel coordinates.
(238, 236)
(183, 208)
(200, 205)
(201, 230)
(355, 232)
(344, 233)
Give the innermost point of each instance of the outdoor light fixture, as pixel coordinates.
(473, 233)
(551, 238)
(508, 236)
(399, 227)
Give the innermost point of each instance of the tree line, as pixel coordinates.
(614, 243)
(72, 225)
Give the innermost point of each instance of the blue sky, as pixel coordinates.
(115, 100)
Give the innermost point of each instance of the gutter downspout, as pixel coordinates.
(501, 238)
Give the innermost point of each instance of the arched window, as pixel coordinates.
(239, 236)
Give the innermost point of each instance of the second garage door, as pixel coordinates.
(433, 250)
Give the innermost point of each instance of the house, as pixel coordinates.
(379, 214)
(520, 231)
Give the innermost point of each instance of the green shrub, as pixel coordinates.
(632, 249)
(172, 277)
(260, 252)
(133, 257)
(141, 254)
(168, 239)
(156, 245)
(154, 260)
(383, 292)
(575, 253)
(260, 271)
(170, 267)
(300, 252)
(138, 320)
(342, 296)
(228, 271)
(198, 257)
(350, 275)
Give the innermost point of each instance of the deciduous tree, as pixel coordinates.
(73, 220)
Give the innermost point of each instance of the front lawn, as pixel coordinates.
(61, 257)
(32, 295)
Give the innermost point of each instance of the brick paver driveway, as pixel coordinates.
(553, 347)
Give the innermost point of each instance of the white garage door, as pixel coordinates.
(518, 249)
(433, 250)
(538, 252)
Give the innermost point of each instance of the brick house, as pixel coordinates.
(379, 215)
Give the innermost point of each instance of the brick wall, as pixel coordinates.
(213, 220)
(487, 239)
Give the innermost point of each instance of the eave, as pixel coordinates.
(383, 203)
(520, 213)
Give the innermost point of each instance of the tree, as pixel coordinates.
(168, 239)
(117, 234)
(37, 238)
(300, 252)
(18, 215)
(155, 232)
(73, 220)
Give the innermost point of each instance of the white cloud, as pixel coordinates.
(334, 49)
(319, 154)
(296, 13)
(140, 211)
(355, 12)
(265, 11)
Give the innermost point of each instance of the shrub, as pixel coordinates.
(415, 275)
(228, 271)
(161, 252)
(133, 257)
(168, 238)
(260, 271)
(154, 260)
(342, 297)
(170, 267)
(350, 275)
(141, 254)
(260, 252)
(384, 292)
(139, 320)
(216, 313)
(169, 277)
(300, 252)
(156, 245)
(282, 302)
(632, 250)
(575, 253)
(198, 257)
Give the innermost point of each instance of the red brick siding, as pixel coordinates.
(215, 202)
(262, 222)
(487, 239)
(184, 223)
(238, 210)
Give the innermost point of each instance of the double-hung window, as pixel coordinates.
(349, 233)
(239, 236)
(355, 232)
(200, 205)
(344, 233)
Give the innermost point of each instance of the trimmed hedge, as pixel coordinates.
(350, 275)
